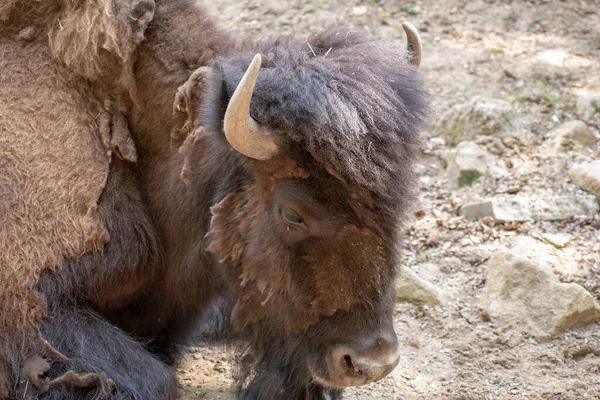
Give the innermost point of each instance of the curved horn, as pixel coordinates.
(243, 133)
(414, 46)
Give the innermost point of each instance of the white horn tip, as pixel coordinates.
(254, 67)
(407, 25)
(415, 46)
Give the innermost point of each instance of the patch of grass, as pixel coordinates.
(455, 132)
(542, 94)
(552, 99)
(497, 50)
(517, 100)
(542, 85)
(410, 10)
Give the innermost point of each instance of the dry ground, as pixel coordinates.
(536, 54)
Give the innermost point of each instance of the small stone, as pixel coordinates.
(587, 176)
(450, 264)
(511, 141)
(570, 136)
(488, 221)
(480, 116)
(587, 104)
(558, 240)
(219, 368)
(437, 143)
(466, 164)
(430, 270)
(410, 288)
(493, 144)
(543, 207)
(520, 291)
(510, 74)
(359, 11)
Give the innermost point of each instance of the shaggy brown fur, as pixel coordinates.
(57, 135)
(82, 85)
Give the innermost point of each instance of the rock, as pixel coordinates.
(558, 240)
(511, 141)
(570, 136)
(410, 288)
(520, 291)
(587, 176)
(359, 11)
(430, 270)
(466, 164)
(543, 207)
(493, 144)
(478, 117)
(587, 104)
(450, 265)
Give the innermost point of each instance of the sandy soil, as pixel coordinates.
(536, 54)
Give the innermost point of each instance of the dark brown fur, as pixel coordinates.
(194, 222)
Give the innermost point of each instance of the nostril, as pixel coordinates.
(351, 367)
(348, 361)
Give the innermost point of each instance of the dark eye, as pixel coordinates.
(291, 218)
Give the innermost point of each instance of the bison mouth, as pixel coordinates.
(342, 367)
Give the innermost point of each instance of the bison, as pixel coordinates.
(270, 177)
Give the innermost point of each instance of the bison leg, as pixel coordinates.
(102, 281)
(110, 277)
(109, 281)
(94, 348)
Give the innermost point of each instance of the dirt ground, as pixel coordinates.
(536, 54)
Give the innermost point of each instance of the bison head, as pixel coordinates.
(327, 134)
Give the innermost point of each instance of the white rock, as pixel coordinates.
(540, 250)
(359, 10)
(466, 164)
(587, 176)
(557, 240)
(430, 270)
(521, 292)
(480, 116)
(570, 136)
(587, 104)
(410, 288)
(543, 207)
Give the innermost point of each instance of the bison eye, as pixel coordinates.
(291, 218)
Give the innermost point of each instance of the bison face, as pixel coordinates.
(326, 140)
(310, 272)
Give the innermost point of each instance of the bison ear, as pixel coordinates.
(186, 107)
(200, 103)
(215, 98)
(186, 110)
